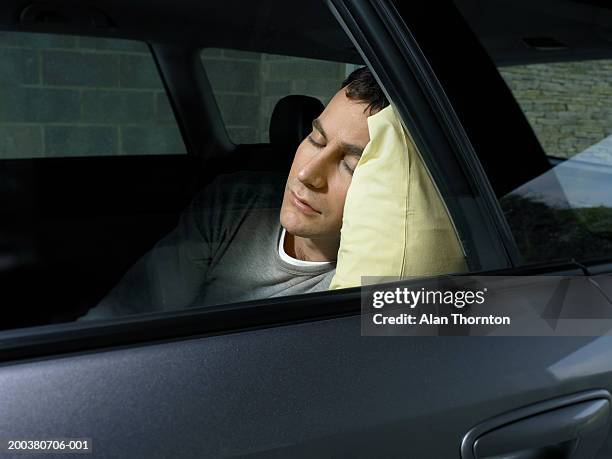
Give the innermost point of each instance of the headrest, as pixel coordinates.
(395, 223)
(292, 120)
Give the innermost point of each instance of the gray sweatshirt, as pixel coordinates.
(223, 250)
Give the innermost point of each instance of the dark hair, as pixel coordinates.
(362, 86)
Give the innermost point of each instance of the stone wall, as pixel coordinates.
(569, 105)
(67, 95)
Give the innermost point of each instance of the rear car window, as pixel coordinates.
(246, 83)
(64, 96)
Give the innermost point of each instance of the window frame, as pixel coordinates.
(392, 52)
(467, 150)
(562, 266)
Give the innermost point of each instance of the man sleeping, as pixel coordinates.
(233, 243)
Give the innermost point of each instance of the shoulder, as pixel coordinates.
(240, 192)
(248, 187)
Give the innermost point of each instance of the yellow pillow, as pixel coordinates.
(395, 223)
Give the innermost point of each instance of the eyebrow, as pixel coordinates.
(349, 148)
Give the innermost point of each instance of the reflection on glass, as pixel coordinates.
(567, 211)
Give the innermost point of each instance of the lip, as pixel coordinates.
(302, 205)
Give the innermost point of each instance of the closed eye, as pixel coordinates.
(316, 144)
(347, 167)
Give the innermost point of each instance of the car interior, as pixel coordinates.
(73, 226)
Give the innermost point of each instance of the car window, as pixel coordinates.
(567, 104)
(567, 211)
(66, 96)
(107, 224)
(559, 206)
(246, 83)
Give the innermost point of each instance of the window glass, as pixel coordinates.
(567, 211)
(568, 104)
(246, 83)
(104, 237)
(81, 96)
(557, 192)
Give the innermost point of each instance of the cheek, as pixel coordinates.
(340, 191)
(299, 159)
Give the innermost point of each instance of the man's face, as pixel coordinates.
(322, 170)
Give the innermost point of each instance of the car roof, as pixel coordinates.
(512, 31)
(529, 31)
(306, 29)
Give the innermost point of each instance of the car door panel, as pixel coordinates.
(305, 389)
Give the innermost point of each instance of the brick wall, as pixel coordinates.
(569, 105)
(248, 85)
(77, 96)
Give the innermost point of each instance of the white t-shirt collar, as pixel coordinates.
(294, 261)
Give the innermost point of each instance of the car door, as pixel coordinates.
(293, 377)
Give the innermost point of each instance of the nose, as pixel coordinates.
(313, 173)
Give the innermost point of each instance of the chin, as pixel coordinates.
(296, 225)
(289, 221)
(305, 232)
(295, 230)
(293, 226)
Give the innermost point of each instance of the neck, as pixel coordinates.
(311, 249)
